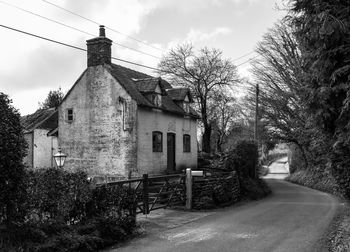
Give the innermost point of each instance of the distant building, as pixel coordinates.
(41, 147)
(118, 121)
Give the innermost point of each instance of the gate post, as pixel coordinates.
(145, 194)
(188, 188)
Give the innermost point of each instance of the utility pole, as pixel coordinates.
(256, 124)
(256, 136)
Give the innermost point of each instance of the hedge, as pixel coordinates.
(63, 213)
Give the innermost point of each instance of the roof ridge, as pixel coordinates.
(132, 70)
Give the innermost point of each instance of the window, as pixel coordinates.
(187, 143)
(186, 107)
(157, 141)
(126, 113)
(156, 99)
(70, 115)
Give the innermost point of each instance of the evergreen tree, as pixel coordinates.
(323, 34)
(53, 99)
(12, 150)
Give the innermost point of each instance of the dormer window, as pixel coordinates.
(186, 105)
(156, 99)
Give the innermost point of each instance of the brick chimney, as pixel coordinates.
(99, 49)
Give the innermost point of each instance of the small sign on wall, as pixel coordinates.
(197, 173)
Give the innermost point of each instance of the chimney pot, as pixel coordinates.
(102, 31)
(99, 50)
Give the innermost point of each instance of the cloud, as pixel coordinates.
(193, 5)
(43, 67)
(200, 38)
(195, 35)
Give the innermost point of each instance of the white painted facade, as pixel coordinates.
(41, 149)
(105, 138)
(156, 120)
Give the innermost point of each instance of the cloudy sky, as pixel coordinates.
(30, 67)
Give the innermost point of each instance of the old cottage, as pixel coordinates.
(41, 144)
(118, 121)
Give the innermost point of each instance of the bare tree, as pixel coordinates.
(224, 111)
(279, 73)
(204, 73)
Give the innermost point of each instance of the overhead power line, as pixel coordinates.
(244, 55)
(82, 49)
(95, 22)
(247, 61)
(71, 27)
(72, 46)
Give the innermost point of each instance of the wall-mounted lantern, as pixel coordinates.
(60, 157)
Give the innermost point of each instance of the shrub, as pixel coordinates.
(55, 194)
(243, 158)
(12, 151)
(316, 179)
(65, 214)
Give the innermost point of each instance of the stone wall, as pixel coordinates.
(218, 189)
(96, 140)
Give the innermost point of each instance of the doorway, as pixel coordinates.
(171, 151)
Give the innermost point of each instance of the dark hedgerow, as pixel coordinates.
(12, 173)
(63, 213)
(244, 159)
(58, 195)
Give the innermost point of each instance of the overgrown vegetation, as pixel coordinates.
(339, 237)
(323, 181)
(244, 159)
(12, 173)
(63, 213)
(303, 72)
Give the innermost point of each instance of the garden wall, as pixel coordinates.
(215, 190)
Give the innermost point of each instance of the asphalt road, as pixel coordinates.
(293, 218)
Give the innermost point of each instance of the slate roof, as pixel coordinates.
(41, 119)
(179, 94)
(147, 85)
(137, 83)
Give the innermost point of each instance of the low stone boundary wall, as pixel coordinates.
(215, 190)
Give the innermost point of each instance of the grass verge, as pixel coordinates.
(337, 238)
(316, 180)
(339, 235)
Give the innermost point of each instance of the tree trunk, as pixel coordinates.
(206, 138)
